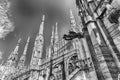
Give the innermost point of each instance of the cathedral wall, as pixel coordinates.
(114, 31)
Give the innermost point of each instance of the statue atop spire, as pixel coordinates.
(43, 18)
(42, 25)
(23, 57)
(56, 33)
(72, 19)
(73, 22)
(53, 35)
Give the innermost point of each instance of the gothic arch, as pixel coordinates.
(72, 63)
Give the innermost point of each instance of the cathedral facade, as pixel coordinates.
(95, 56)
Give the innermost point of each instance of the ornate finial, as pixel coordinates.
(42, 25)
(56, 29)
(28, 39)
(72, 21)
(53, 31)
(56, 32)
(43, 18)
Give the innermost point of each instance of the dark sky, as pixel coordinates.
(27, 14)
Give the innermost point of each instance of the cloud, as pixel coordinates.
(6, 26)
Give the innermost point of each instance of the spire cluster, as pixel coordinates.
(55, 37)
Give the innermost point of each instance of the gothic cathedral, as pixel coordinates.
(90, 51)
